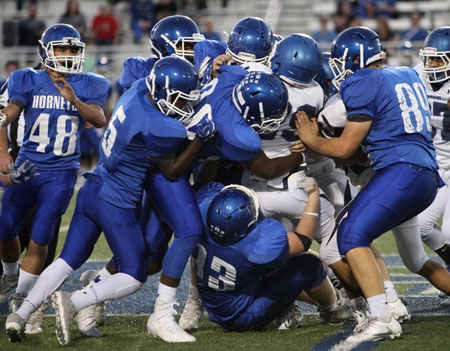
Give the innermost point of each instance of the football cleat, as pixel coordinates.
(100, 314)
(7, 283)
(444, 298)
(399, 310)
(192, 312)
(64, 312)
(34, 324)
(291, 319)
(373, 330)
(15, 301)
(86, 316)
(14, 328)
(162, 324)
(339, 314)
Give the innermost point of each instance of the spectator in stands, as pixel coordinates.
(31, 28)
(385, 8)
(74, 17)
(166, 8)
(385, 33)
(191, 9)
(105, 26)
(10, 66)
(143, 18)
(209, 32)
(416, 32)
(342, 16)
(324, 35)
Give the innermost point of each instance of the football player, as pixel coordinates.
(401, 151)
(57, 101)
(250, 271)
(435, 73)
(148, 120)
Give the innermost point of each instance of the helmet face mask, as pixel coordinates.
(175, 35)
(61, 36)
(232, 213)
(436, 56)
(262, 100)
(173, 85)
(325, 76)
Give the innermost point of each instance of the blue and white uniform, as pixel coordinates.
(205, 52)
(135, 68)
(400, 148)
(51, 142)
(247, 284)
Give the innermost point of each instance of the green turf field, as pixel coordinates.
(125, 332)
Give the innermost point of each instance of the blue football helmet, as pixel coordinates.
(232, 213)
(173, 84)
(436, 55)
(101, 66)
(250, 40)
(325, 77)
(296, 60)
(262, 100)
(61, 35)
(175, 35)
(352, 50)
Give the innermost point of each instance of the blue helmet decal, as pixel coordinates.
(250, 40)
(436, 55)
(174, 86)
(325, 77)
(232, 213)
(60, 36)
(352, 50)
(262, 100)
(296, 59)
(175, 35)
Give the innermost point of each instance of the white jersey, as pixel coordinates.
(437, 101)
(21, 127)
(309, 99)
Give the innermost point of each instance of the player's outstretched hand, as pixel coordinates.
(218, 62)
(307, 128)
(66, 91)
(22, 173)
(205, 129)
(311, 185)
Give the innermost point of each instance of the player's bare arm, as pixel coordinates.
(342, 147)
(218, 62)
(5, 157)
(9, 114)
(270, 168)
(92, 113)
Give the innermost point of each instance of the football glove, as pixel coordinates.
(205, 129)
(22, 173)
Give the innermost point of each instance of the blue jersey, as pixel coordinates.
(52, 124)
(229, 276)
(205, 52)
(136, 129)
(396, 101)
(135, 68)
(235, 139)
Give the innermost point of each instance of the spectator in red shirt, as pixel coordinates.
(105, 27)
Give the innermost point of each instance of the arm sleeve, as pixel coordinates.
(359, 95)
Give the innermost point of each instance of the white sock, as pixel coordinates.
(379, 308)
(10, 268)
(101, 275)
(114, 287)
(390, 292)
(26, 282)
(166, 292)
(50, 280)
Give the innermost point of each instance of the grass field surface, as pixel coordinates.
(126, 325)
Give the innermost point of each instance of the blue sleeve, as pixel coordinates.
(359, 93)
(99, 89)
(135, 68)
(233, 69)
(162, 135)
(272, 246)
(208, 48)
(20, 86)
